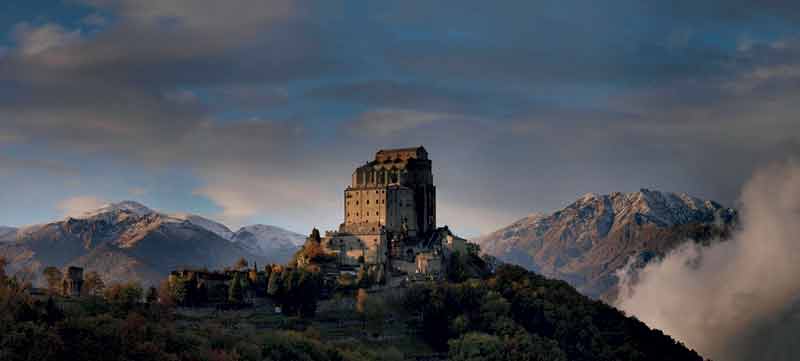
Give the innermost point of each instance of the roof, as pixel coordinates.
(402, 149)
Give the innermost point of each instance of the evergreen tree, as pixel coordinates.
(152, 295)
(235, 291)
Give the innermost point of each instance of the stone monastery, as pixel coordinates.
(390, 220)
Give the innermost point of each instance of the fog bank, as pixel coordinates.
(735, 300)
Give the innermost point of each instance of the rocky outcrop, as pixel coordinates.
(587, 242)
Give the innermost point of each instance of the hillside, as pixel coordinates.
(127, 241)
(7, 234)
(516, 314)
(587, 242)
(512, 315)
(269, 241)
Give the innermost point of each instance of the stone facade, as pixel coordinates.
(390, 218)
(394, 191)
(72, 283)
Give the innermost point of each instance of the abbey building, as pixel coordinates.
(389, 223)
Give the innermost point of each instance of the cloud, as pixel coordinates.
(12, 164)
(739, 299)
(295, 202)
(76, 206)
(138, 191)
(522, 106)
(34, 40)
(386, 122)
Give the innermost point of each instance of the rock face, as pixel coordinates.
(126, 241)
(587, 242)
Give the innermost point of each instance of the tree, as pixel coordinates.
(275, 283)
(52, 313)
(124, 294)
(3, 264)
(363, 279)
(179, 292)
(152, 295)
(235, 291)
(476, 347)
(93, 285)
(241, 264)
(361, 300)
(315, 236)
(456, 271)
(373, 312)
(53, 277)
(165, 296)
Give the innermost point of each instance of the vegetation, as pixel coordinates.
(120, 326)
(518, 315)
(508, 315)
(297, 290)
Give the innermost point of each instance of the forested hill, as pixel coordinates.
(511, 315)
(519, 315)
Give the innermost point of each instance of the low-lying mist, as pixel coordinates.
(738, 299)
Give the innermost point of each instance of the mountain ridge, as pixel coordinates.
(129, 241)
(589, 240)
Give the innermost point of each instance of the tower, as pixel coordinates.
(394, 192)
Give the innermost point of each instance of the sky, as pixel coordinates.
(257, 111)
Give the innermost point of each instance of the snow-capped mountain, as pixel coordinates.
(129, 241)
(142, 210)
(213, 226)
(268, 240)
(589, 240)
(116, 208)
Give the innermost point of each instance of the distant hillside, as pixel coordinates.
(128, 241)
(589, 240)
(7, 234)
(269, 241)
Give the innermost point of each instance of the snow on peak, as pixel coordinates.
(113, 208)
(588, 197)
(205, 223)
(261, 239)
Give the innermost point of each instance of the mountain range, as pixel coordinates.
(585, 244)
(129, 241)
(590, 240)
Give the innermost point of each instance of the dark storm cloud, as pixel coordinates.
(546, 99)
(121, 90)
